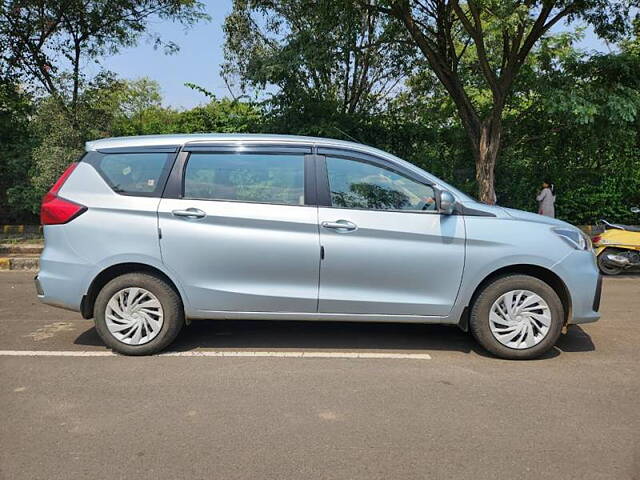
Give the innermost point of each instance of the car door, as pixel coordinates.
(386, 248)
(239, 228)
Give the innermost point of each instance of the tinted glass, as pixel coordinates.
(362, 185)
(245, 178)
(134, 173)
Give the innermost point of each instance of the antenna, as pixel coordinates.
(347, 135)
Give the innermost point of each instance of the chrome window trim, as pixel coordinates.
(139, 149)
(248, 147)
(245, 202)
(419, 212)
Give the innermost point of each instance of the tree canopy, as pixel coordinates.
(305, 50)
(45, 43)
(352, 69)
(334, 52)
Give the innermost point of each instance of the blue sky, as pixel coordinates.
(199, 58)
(198, 61)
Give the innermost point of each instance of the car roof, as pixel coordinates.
(195, 138)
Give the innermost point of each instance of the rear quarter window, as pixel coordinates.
(141, 174)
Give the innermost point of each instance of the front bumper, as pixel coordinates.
(598, 295)
(580, 274)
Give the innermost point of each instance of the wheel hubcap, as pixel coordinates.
(134, 316)
(520, 319)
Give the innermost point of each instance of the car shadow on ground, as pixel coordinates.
(628, 274)
(292, 335)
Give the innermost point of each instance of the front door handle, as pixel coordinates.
(340, 226)
(189, 213)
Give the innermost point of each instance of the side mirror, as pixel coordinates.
(447, 202)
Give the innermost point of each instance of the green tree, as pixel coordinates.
(137, 109)
(320, 64)
(60, 139)
(17, 140)
(46, 42)
(107, 106)
(222, 116)
(581, 127)
(484, 44)
(572, 116)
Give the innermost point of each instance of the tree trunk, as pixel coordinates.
(483, 134)
(485, 152)
(76, 83)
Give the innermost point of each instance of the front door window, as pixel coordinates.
(356, 184)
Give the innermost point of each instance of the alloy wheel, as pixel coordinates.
(134, 316)
(520, 319)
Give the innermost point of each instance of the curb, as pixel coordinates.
(25, 228)
(19, 263)
(21, 248)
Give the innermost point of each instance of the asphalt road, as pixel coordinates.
(462, 414)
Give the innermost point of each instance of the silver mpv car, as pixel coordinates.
(145, 234)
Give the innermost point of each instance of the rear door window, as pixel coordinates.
(261, 178)
(140, 174)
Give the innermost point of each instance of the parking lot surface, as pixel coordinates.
(432, 405)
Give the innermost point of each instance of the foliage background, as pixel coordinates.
(572, 117)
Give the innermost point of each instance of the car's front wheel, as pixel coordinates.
(604, 266)
(138, 314)
(517, 317)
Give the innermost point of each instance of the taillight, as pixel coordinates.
(56, 210)
(596, 239)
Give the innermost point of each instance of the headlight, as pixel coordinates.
(576, 238)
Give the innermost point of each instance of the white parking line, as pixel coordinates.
(222, 353)
(50, 353)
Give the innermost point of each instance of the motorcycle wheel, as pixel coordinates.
(602, 265)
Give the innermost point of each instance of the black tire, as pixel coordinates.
(604, 268)
(479, 320)
(172, 308)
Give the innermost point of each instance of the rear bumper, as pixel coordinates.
(39, 290)
(61, 285)
(61, 279)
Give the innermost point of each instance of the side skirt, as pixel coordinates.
(320, 317)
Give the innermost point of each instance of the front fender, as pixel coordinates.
(494, 244)
(472, 279)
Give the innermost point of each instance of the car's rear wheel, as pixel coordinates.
(517, 317)
(138, 314)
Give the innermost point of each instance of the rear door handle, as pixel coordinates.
(189, 213)
(340, 226)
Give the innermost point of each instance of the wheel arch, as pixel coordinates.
(536, 271)
(113, 271)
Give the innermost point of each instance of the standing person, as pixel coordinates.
(546, 199)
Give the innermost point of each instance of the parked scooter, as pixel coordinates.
(618, 247)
